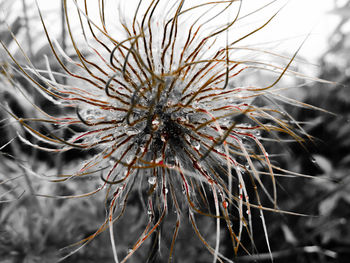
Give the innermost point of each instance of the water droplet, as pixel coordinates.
(147, 137)
(155, 122)
(196, 145)
(170, 103)
(171, 165)
(313, 160)
(244, 139)
(152, 180)
(129, 159)
(170, 159)
(131, 131)
(149, 212)
(195, 105)
(91, 117)
(181, 120)
(166, 190)
(226, 123)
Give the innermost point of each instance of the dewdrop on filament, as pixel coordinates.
(152, 180)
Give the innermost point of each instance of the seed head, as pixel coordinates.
(160, 107)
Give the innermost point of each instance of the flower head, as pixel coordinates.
(159, 103)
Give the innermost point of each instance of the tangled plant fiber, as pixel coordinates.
(160, 107)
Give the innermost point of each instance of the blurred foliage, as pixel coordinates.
(325, 235)
(34, 229)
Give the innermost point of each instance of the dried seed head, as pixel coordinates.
(164, 115)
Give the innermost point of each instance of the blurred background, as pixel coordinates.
(34, 229)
